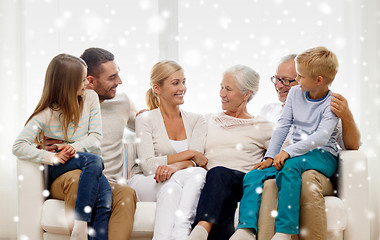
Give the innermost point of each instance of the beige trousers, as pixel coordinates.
(65, 187)
(313, 225)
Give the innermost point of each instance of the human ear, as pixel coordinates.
(247, 94)
(320, 80)
(91, 82)
(156, 89)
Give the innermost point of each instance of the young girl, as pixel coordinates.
(68, 112)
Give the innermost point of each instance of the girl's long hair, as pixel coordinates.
(63, 79)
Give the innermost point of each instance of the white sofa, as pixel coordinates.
(347, 216)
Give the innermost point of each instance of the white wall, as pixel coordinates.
(205, 37)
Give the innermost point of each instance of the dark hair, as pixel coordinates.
(94, 57)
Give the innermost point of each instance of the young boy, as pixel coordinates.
(313, 146)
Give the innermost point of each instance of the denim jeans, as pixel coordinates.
(94, 197)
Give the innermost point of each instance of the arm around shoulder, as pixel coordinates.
(350, 131)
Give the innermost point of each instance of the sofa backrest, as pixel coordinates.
(130, 153)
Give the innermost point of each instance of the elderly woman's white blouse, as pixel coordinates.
(236, 143)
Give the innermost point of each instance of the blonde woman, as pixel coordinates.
(171, 146)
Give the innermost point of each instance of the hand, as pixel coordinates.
(141, 111)
(164, 172)
(340, 107)
(68, 149)
(264, 164)
(200, 159)
(279, 160)
(48, 144)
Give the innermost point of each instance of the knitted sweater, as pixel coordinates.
(86, 138)
(117, 113)
(154, 146)
(236, 143)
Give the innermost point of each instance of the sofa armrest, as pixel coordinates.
(30, 199)
(353, 189)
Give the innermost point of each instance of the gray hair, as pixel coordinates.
(287, 58)
(247, 79)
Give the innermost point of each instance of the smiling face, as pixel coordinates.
(231, 96)
(306, 82)
(285, 70)
(173, 89)
(106, 83)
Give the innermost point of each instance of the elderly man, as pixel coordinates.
(315, 185)
(117, 113)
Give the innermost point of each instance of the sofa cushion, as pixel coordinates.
(335, 214)
(144, 219)
(53, 218)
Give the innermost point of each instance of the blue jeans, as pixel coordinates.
(94, 197)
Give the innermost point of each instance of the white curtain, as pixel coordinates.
(12, 105)
(369, 79)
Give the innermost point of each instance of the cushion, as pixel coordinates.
(53, 219)
(335, 214)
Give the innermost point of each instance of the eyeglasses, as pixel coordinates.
(284, 82)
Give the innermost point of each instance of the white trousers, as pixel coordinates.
(177, 200)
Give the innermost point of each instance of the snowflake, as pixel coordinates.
(239, 146)
(166, 14)
(24, 237)
(122, 181)
(145, 4)
(45, 193)
(224, 22)
(340, 42)
(179, 214)
(209, 43)
(87, 209)
(192, 57)
(91, 232)
(325, 8)
(265, 41)
(170, 190)
(274, 213)
(304, 232)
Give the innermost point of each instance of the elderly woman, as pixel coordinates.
(236, 141)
